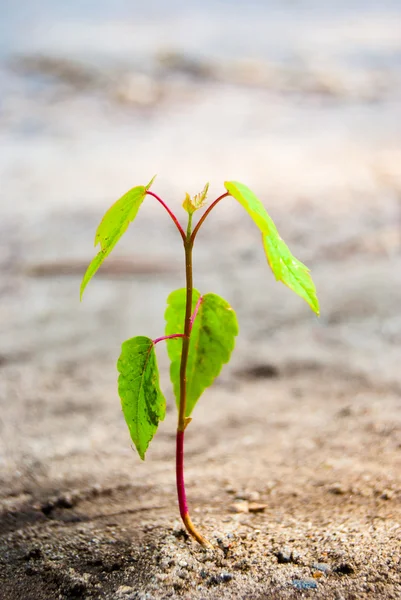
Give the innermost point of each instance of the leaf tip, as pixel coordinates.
(82, 289)
(316, 307)
(147, 187)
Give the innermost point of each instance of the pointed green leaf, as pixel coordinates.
(211, 343)
(114, 223)
(284, 265)
(142, 401)
(290, 270)
(150, 183)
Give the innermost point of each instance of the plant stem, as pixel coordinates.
(205, 214)
(182, 419)
(182, 499)
(170, 212)
(188, 245)
(168, 337)
(193, 317)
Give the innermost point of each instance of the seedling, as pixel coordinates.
(200, 328)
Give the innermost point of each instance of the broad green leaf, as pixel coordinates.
(285, 266)
(211, 343)
(142, 401)
(114, 223)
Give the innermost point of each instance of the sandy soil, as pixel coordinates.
(316, 449)
(293, 461)
(304, 424)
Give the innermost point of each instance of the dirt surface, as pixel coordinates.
(316, 450)
(293, 458)
(303, 428)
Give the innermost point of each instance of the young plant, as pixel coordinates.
(200, 328)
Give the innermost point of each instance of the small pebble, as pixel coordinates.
(283, 556)
(240, 507)
(65, 501)
(304, 584)
(124, 590)
(323, 567)
(337, 489)
(256, 507)
(182, 574)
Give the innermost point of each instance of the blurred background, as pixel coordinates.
(298, 99)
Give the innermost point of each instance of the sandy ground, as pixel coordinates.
(305, 422)
(293, 459)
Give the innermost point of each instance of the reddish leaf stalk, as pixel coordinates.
(205, 214)
(170, 212)
(168, 337)
(195, 312)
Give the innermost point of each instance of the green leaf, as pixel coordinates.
(142, 401)
(290, 270)
(114, 223)
(211, 343)
(284, 265)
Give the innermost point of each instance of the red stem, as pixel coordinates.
(170, 212)
(182, 498)
(195, 312)
(183, 420)
(205, 214)
(168, 337)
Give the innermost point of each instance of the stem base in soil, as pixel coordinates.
(182, 499)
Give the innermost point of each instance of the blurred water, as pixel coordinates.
(306, 88)
(360, 31)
